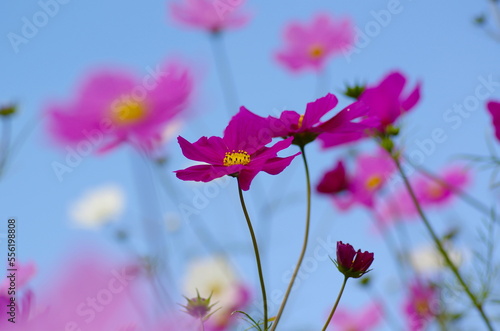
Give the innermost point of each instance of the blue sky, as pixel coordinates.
(434, 43)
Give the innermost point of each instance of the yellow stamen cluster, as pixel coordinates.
(373, 182)
(301, 119)
(316, 51)
(436, 190)
(239, 157)
(128, 112)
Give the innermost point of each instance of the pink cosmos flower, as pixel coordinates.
(432, 193)
(365, 319)
(386, 100)
(420, 305)
(398, 205)
(394, 207)
(240, 153)
(494, 109)
(211, 15)
(351, 263)
(310, 45)
(114, 107)
(371, 173)
(305, 128)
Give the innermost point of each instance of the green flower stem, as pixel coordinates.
(225, 74)
(257, 255)
(478, 305)
(304, 244)
(336, 304)
(5, 143)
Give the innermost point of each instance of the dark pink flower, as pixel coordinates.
(351, 263)
(310, 45)
(386, 101)
(334, 181)
(306, 127)
(114, 107)
(370, 174)
(365, 319)
(240, 153)
(420, 305)
(494, 109)
(210, 15)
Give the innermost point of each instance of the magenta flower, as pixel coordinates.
(371, 173)
(209, 15)
(365, 319)
(114, 107)
(305, 128)
(386, 101)
(240, 153)
(351, 263)
(310, 45)
(420, 305)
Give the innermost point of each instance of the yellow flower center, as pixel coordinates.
(435, 190)
(301, 119)
(316, 51)
(128, 112)
(422, 307)
(239, 157)
(373, 182)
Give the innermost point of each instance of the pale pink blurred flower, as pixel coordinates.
(113, 107)
(365, 319)
(24, 273)
(89, 292)
(311, 45)
(398, 206)
(210, 15)
(420, 305)
(433, 193)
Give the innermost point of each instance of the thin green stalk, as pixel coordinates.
(336, 304)
(5, 143)
(257, 255)
(304, 244)
(478, 305)
(224, 72)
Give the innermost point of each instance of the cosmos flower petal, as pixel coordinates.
(494, 110)
(247, 131)
(412, 99)
(210, 150)
(276, 165)
(206, 172)
(333, 181)
(317, 109)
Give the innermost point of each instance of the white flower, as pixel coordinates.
(98, 207)
(214, 276)
(427, 259)
(171, 130)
